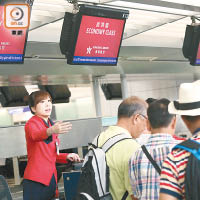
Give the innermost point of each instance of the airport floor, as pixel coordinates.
(17, 193)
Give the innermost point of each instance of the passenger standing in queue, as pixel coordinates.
(40, 176)
(132, 114)
(144, 177)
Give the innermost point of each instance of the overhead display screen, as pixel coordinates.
(13, 32)
(191, 44)
(98, 40)
(93, 36)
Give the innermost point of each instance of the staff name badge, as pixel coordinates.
(57, 148)
(16, 16)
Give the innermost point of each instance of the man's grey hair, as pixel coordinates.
(132, 106)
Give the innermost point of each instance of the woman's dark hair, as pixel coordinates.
(37, 96)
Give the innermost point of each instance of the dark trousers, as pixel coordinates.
(36, 191)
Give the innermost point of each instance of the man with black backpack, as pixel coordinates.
(131, 122)
(180, 176)
(104, 174)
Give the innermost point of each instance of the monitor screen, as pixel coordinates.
(191, 44)
(12, 34)
(112, 91)
(97, 36)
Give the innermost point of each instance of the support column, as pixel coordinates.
(95, 84)
(80, 152)
(16, 171)
(124, 86)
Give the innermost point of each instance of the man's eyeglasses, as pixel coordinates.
(143, 116)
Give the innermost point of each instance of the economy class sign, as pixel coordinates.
(99, 37)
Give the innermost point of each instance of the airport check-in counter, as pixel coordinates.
(13, 143)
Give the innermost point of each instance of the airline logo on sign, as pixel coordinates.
(16, 16)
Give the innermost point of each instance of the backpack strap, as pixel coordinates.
(125, 195)
(95, 141)
(110, 143)
(153, 162)
(107, 145)
(191, 146)
(113, 140)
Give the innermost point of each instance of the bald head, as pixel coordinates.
(131, 106)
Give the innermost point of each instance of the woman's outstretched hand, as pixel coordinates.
(59, 128)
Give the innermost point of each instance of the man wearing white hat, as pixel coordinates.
(172, 182)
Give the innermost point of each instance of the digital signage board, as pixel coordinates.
(14, 22)
(191, 44)
(96, 36)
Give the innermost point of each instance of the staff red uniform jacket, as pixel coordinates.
(41, 151)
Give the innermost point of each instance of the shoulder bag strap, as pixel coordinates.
(125, 195)
(114, 140)
(191, 146)
(151, 159)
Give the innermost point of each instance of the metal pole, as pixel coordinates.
(16, 171)
(95, 86)
(124, 86)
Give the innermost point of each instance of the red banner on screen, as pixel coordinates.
(99, 37)
(12, 42)
(198, 55)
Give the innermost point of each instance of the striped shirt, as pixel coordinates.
(173, 172)
(143, 176)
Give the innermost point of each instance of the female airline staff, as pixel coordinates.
(40, 176)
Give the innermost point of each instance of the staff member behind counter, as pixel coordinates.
(40, 176)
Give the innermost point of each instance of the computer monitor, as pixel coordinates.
(112, 91)
(96, 35)
(59, 93)
(191, 44)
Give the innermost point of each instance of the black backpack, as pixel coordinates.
(192, 171)
(94, 179)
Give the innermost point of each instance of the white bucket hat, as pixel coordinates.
(189, 100)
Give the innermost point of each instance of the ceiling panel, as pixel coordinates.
(152, 42)
(186, 2)
(166, 18)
